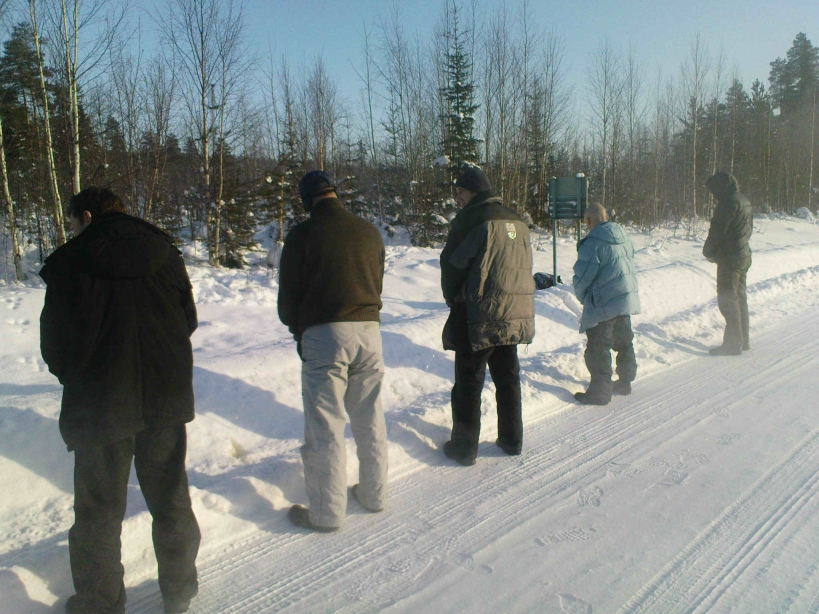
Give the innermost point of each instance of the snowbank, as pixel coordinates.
(244, 461)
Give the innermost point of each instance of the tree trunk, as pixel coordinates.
(71, 78)
(16, 255)
(57, 205)
(812, 133)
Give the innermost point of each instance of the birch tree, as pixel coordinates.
(204, 36)
(693, 87)
(604, 94)
(56, 200)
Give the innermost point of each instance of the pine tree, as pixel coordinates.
(794, 78)
(459, 143)
(736, 106)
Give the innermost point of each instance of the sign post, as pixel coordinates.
(568, 197)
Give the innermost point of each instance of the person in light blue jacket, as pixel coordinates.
(605, 281)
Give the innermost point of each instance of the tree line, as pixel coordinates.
(207, 136)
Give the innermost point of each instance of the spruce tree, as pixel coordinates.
(794, 79)
(459, 144)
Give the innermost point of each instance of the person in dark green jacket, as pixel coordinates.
(727, 246)
(486, 279)
(330, 280)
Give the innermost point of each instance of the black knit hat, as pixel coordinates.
(313, 184)
(474, 180)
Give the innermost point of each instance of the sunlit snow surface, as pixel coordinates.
(696, 493)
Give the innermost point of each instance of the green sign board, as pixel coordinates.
(568, 197)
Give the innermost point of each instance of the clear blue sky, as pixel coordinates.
(752, 32)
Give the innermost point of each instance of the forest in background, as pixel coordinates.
(207, 136)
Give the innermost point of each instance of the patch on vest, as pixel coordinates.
(510, 230)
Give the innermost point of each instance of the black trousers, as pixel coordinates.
(100, 489)
(470, 373)
(614, 334)
(733, 304)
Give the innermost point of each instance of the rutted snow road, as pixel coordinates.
(697, 493)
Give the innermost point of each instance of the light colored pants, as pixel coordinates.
(342, 368)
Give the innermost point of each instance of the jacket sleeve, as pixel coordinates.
(723, 215)
(291, 282)
(460, 262)
(58, 320)
(187, 300)
(585, 269)
(383, 261)
(451, 281)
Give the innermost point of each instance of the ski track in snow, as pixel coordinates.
(435, 521)
(698, 493)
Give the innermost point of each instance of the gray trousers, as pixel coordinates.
(342, 369)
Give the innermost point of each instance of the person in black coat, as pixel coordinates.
(115, 330)
(727, 246)
(486, 280)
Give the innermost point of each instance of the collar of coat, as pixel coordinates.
(325, 204)
(481, 198)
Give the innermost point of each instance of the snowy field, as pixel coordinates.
(698, 493)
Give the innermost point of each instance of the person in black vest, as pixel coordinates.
(727, 246)
(486, 280)
(115, 330)
(330, 279)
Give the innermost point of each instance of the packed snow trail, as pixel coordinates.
(668, 500)
(708, 473)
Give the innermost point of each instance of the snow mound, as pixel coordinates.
(805, 214)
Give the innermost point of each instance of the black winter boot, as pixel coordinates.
(621, 387)
(510, 449)
(588, 398)
(458, 457)
(175, 606)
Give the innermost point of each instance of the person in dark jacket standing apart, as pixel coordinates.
(727, 246)
(330, 279)
(605, 282)
(486, 278)
(115, 330)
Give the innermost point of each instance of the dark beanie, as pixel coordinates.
(474, 180)
(313, 184)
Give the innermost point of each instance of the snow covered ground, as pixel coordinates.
(700, 492)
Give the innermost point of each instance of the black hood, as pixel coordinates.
(722, 185)
(120, 246)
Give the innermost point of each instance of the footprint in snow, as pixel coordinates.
(616, 470)
(573, 535)
(590, 497)
(673, 477)
(465, 561)
(572, 605)
(727, 439)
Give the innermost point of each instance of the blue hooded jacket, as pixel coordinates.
(605, 280)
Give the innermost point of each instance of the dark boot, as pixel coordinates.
(589, 398)
(509, 448)
(726, 350)
(465, 459)
(300, 517)
(175, 606)
(622, 387)
(599, 392)
(79, 605)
